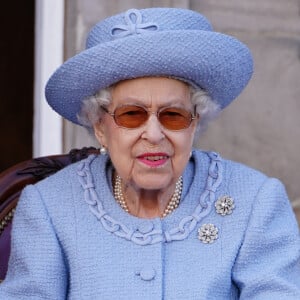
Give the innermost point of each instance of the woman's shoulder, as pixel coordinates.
(64, 183)
(240, 171)
(61, 189)
(68, 174)
(255, 194)
(233, 169)
(238, 177)
(60, 179)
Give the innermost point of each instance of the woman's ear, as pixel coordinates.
(100, 133)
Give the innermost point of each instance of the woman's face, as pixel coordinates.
(149, 157)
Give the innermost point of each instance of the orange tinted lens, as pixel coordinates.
(130, 116)
(175, 118)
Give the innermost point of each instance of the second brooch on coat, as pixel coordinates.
(208, 233)
(224, 205)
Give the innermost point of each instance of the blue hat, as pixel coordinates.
(171, 42)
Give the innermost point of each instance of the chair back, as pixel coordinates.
(12, 182)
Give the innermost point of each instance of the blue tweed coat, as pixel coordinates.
(71, 240)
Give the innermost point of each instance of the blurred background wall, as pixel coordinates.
(262, 127)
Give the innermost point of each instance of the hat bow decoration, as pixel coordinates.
(134, 25)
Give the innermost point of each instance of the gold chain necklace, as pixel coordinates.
(172, 205)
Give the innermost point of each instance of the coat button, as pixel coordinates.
(147, 273)
(145, 227)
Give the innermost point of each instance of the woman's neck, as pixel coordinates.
(148, 203)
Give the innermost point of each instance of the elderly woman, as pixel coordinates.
(151, 218)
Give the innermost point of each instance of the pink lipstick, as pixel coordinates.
(153, 159)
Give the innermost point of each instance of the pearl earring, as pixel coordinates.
(103, 150)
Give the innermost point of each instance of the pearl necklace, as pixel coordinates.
(172, 205)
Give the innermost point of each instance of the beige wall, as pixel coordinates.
(261, 128)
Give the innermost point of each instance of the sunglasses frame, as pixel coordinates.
(193, 116)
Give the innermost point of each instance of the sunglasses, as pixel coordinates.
(134, 116)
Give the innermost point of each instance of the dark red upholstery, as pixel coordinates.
(4, 250)
(13, 180)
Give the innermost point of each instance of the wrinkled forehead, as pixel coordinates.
(151, 91)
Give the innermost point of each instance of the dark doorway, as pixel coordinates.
(16, 81)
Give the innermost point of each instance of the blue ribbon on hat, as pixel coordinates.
(134, 25)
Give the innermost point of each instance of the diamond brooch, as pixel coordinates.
(208, 233)
(224, 205)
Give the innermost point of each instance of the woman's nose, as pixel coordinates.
(153, 130)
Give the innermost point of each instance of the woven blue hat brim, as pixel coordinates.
(215, 62)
